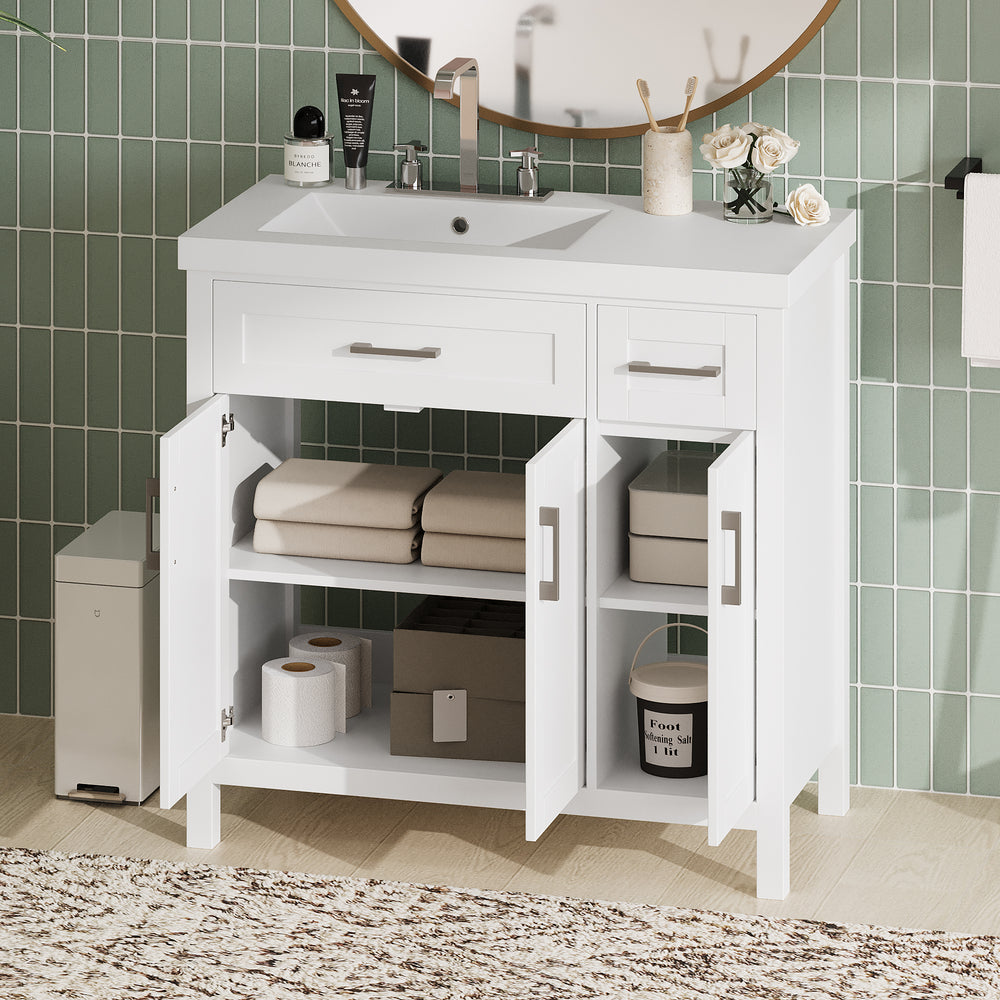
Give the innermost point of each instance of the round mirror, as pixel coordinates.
(561, 68)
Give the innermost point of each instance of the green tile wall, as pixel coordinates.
(158, 112)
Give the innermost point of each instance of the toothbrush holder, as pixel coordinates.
(667, 176)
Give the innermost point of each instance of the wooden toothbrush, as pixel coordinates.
(692, 86)
(644, 94)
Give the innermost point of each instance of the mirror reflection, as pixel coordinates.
(572, 64)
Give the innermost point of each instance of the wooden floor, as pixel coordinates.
(906, 859)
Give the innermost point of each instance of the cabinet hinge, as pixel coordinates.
(227, 721)
(228, 424)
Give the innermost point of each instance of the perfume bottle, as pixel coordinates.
(308, 150)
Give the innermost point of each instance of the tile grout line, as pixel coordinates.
(859, 737)
(929, 720)
(968, 470)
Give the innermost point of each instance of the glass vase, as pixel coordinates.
(747, 196)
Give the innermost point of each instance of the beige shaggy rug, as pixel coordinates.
(101, 927)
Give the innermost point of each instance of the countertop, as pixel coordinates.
(628, 254)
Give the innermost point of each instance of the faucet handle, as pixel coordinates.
(529, 157)
(411, 149)
(410, 168)
(527, 172)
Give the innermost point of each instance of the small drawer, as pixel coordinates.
(401, 349)
(673, 366)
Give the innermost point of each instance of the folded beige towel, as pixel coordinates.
(476, 503)
(337, 541)
(473, 552)
(354, 493)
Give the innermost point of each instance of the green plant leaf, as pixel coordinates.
(4, 16)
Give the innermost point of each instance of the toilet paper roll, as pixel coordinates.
(298, 701)
(354, 678)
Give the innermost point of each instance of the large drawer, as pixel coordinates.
(401, 349)
(675, 366)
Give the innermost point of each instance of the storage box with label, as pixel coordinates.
(668, 520)
(458, 681)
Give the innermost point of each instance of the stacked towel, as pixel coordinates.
(475, 520)
(341, 510)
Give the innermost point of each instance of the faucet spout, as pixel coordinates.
(468, 115)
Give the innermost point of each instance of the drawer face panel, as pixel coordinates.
(402, 349)
(674, 366)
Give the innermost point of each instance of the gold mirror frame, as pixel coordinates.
(543, 128)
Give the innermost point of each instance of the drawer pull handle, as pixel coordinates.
(645, 368)
(731, 595)
(548, 517)
(395, 352)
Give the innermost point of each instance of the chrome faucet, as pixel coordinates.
(468, 115)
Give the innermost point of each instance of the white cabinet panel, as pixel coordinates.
(400, 348)
(192, 586)
(212, 631)
(731, 645)
(555, 628)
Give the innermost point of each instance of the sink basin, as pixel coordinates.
(424, 218)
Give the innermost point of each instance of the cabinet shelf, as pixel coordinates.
(626, 594)
(645, 797)
(358, 762)
(629, 777)
(411, 578)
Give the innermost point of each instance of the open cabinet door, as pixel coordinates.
(731, 638)
(192, 581)
(554, 616)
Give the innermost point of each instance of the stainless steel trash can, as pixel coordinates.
(107, 697)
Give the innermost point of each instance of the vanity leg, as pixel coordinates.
(204, 815)
(773, 853)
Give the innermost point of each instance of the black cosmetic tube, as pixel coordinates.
(356, 97)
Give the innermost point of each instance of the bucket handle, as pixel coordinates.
(660, 628)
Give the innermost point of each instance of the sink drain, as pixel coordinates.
(460, 225)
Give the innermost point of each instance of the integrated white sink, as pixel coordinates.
(559, 246)
(426, 218)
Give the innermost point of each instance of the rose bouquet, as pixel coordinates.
(748, 154)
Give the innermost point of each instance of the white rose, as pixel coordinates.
(725, 147)
(767, 154)
(807, 206)
(789, 146)
(779, 148)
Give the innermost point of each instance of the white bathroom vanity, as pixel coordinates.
(638, 329)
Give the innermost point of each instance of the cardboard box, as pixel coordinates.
(460, 644)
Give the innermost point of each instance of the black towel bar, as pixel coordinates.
(955, 181)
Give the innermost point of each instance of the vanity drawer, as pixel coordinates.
(674, 366)
(401, 349)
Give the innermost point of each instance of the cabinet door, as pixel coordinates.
(555, 628)
(191, 598)
(731, 644)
